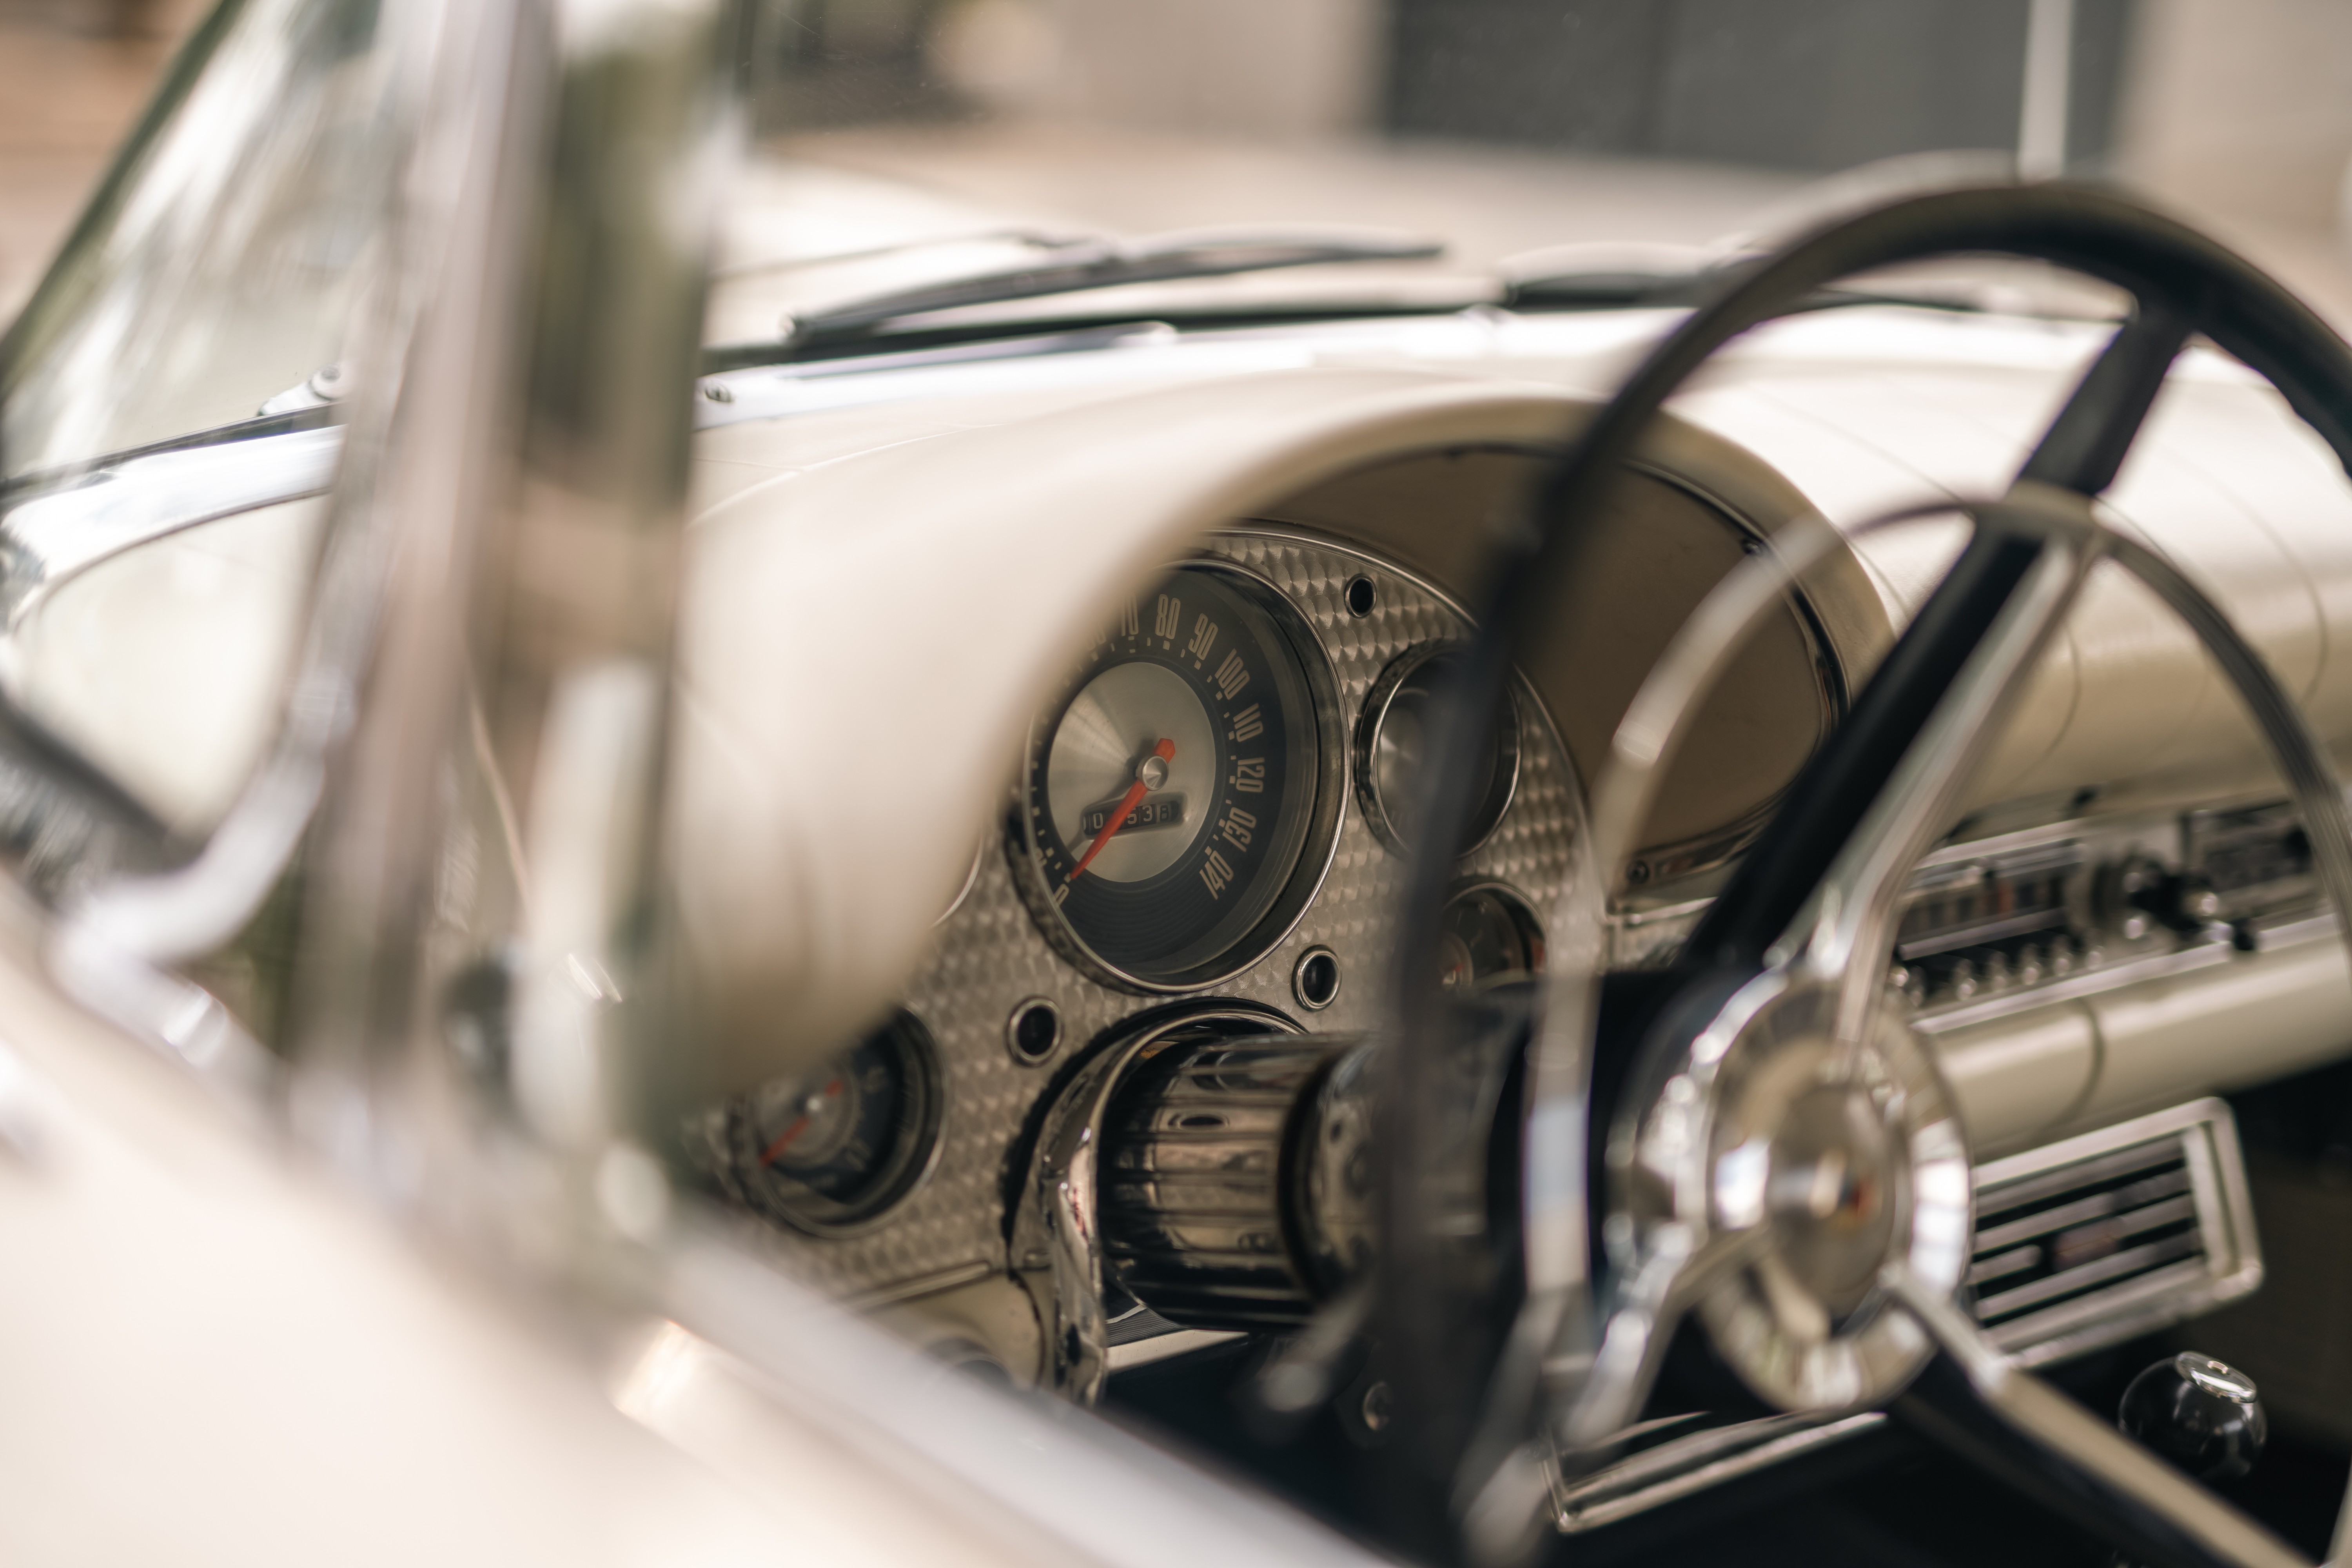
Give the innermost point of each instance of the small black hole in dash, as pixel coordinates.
(1032, 1031)
(1316, 981)
(1362, 595)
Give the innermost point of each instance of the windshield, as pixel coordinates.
(166, 398)
(221, 264)
(903, 141)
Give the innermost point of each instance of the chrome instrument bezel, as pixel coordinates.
(926, 1067)
(1378, 812)
(1317, 850)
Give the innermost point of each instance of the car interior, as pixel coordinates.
(1693, 904)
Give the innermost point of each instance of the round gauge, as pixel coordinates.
(1392, 740)
(1182, 797)
(831, 1149)
(1488, 933)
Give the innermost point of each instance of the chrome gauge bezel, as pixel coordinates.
(1379, 813)
(1317, 848)
(909, 1165)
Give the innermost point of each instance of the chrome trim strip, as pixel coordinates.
(52, 537)
(1614, 1494)
(1163, 1347)
(2111, 975)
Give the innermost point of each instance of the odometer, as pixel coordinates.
(1182, 796)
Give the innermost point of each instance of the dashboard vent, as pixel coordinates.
(2094, 1241)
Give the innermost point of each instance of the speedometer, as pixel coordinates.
(1182, 797)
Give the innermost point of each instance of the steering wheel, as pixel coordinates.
(1768, 1046)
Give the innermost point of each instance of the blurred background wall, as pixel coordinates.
(2238, 112)
(73, 76)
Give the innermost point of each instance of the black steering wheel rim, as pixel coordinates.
(2182, 283)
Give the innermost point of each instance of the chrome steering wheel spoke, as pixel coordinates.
(1845, 930)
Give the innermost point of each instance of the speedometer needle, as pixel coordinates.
(1166, 751)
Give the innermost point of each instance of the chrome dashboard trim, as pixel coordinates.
(2231, 1261)
(2208, 951)
(1168, 1346)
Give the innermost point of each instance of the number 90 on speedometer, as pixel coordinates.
(1180, 799)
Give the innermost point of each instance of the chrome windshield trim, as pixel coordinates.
(52, 537)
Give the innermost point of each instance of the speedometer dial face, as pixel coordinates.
(1181, 796)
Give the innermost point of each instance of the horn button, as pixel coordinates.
(1832, 1192)
(1792, 1167)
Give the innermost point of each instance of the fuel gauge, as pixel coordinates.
(831, 1150)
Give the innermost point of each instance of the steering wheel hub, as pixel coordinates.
(1789, 1165)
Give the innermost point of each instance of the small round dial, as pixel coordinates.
(1181, 796)
(1392, 741)
(834, 1148)
(1488, 934)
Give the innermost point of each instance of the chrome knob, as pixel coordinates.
(2199, 1414)
(1216, 1163)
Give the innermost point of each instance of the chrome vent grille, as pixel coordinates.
(2094, 1241)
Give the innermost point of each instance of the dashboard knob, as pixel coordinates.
(1238, 1167)
(1202, 1181)
(2203, 1415)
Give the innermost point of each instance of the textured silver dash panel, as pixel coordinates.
(989, 956)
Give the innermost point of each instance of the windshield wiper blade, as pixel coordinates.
(1084, 264)
(1608, 277)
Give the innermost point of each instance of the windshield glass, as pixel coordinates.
(220, 264)
(906, 140)
(168, 395)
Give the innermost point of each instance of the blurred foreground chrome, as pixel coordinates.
(357, 1295)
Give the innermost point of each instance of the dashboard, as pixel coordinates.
(1268, 872)
(1267, 569)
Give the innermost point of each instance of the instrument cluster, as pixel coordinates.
(1216, 806)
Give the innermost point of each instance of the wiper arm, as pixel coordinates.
(1639, 276)
(1082, 263)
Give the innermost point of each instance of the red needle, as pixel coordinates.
(775, 1151)
(1166, 753)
